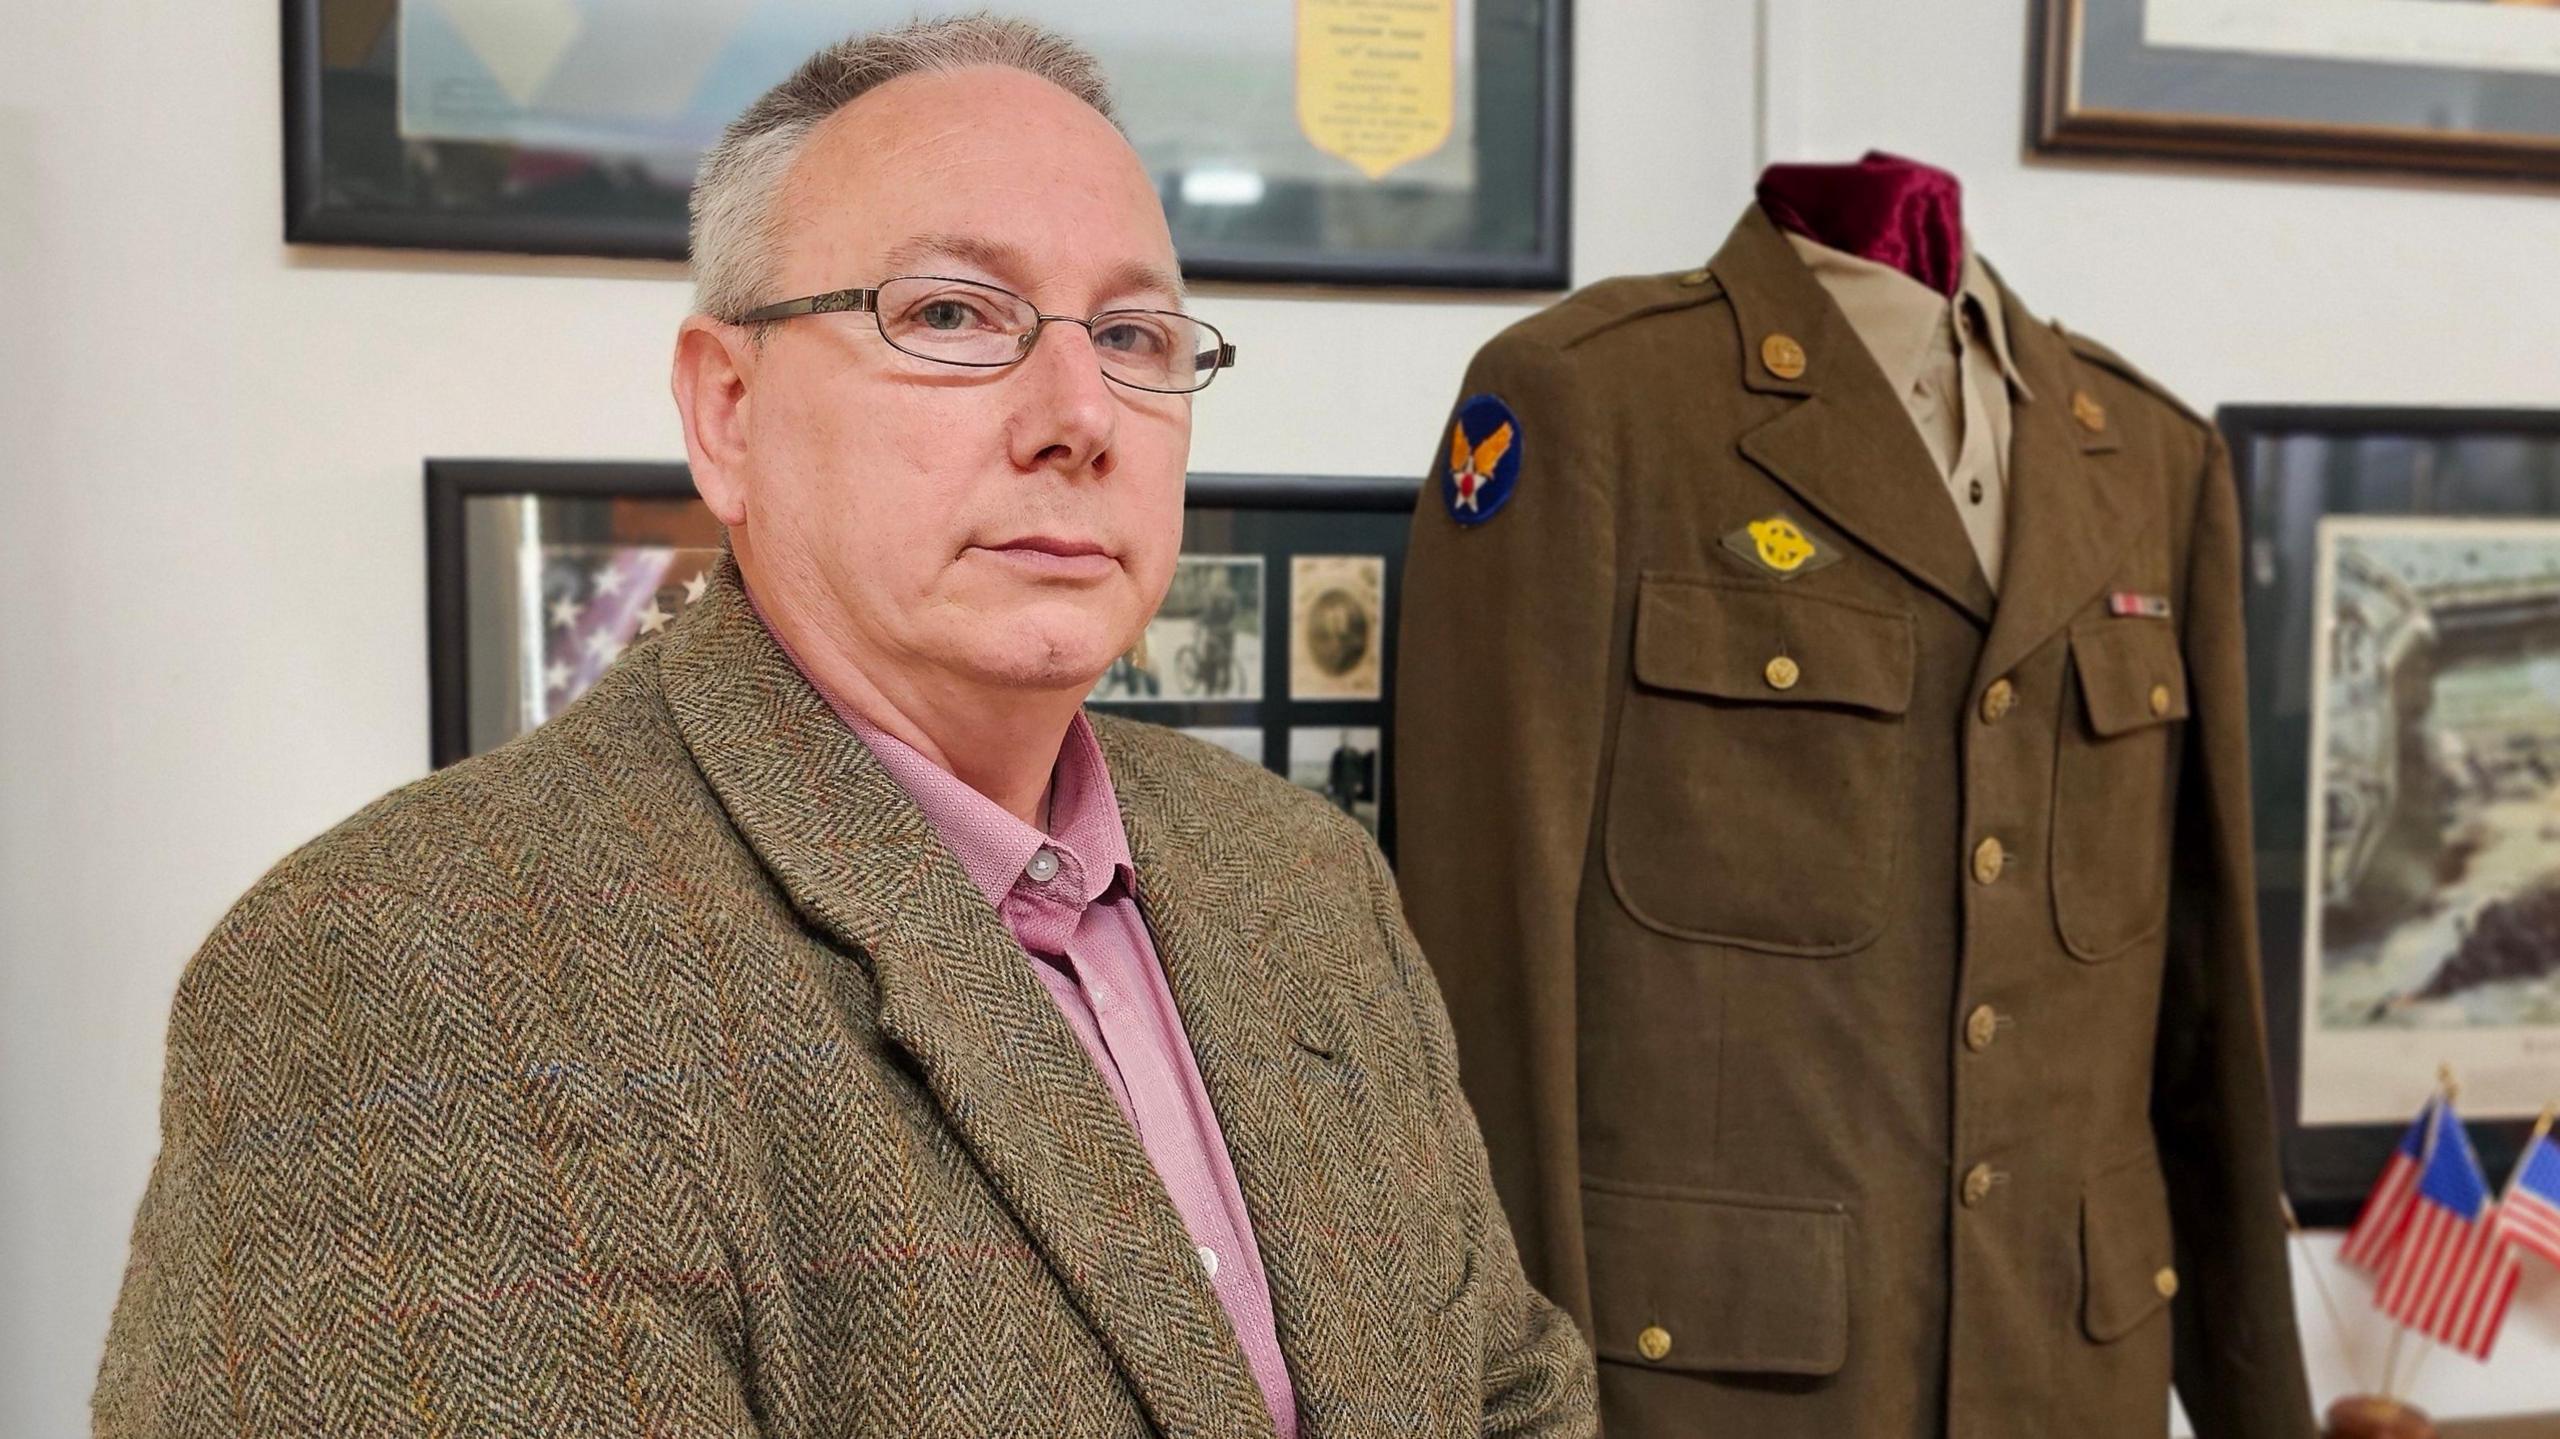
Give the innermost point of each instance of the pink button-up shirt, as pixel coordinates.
(1070, 898)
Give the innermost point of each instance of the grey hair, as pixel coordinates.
(737, 192)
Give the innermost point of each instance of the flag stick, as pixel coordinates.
(2446, 1085)
(2320, 1281)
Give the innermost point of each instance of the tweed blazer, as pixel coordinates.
(661, 1073)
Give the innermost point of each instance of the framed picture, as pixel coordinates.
(2403, 589)
(1388, 142)
(1272, 641)
(2440, 86)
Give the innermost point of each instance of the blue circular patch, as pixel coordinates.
(1482, 465)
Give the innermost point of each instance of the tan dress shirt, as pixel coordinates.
(1948, 361)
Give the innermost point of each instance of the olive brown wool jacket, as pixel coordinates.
(662, 1073)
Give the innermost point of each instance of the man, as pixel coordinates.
(1852, 956)
(823, 1028)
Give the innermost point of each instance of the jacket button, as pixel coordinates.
(1988, 860)
(1784, 357)
(2166, 1281)
(2159, 700)
(1782, 673)
(1977, 1184)
(1654, 1342)
(1998, 700)
(1981, 1027)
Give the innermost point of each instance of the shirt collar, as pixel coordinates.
(994, 846)
(1902, 320)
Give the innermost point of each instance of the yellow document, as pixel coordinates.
(1377, 78)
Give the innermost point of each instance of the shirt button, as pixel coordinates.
(1977, 1184)
(1043, 867)
(1998, 700)
(1981, 1027)
(1209, 1260)
(1654, 1342)
(1988, 860)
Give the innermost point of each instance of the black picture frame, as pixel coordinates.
(2329, 1168)
(336, 122)
(1279, 518)
(2300, 112)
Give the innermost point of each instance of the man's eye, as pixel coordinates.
(1131, 337)
(948, 314)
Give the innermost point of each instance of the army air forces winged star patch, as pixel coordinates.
(1484, 460)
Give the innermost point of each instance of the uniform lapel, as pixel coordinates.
(1847, 447)
(1273, 1044)
(955, 992)
(2069, 517)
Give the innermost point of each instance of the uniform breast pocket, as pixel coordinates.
(1757, 785)
(2115, 785)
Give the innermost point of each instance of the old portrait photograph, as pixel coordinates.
(1205, 642)
(1340, 763)
(2433, 924)
(1337, 626)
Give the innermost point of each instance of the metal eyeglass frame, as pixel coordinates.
(1220, 356)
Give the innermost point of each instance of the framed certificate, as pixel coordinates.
(1387, 142)
(2403, 610)
(2444, 86)
(1273, 640)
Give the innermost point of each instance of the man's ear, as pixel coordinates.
(713, 364)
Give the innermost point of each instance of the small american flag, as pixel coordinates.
(2530, 1214)
(2386, 1209)
(2452, 1273)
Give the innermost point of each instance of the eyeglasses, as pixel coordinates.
(962, 322)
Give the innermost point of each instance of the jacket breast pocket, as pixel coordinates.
(2115, 785)
(1757, 783)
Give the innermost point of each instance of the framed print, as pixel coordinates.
(1272, 641)
(2442, 86)
(1391, 142)
(2403, 610)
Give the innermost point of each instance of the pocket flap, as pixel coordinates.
(2131, 674)
(2127, 1252)
(1717, 1283)
(1719, 638)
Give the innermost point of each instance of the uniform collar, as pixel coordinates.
(1903, 322)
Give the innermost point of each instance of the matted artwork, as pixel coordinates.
(1337, 626)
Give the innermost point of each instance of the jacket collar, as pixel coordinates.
(860, 861)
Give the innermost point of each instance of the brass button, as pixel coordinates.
(1654, 1342)
(1694, 278)
(2166, 1281)
(1981, 1027)
(1783, 356)
(1977, 1184)
(1783, 673)
(1988, 860)
(2086, 409)
(1998, 700)
(2159, 699)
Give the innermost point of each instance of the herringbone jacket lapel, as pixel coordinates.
(955, 992)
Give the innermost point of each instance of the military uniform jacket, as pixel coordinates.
(662, 1073)
(1854, 974)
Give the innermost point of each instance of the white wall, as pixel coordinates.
(211, 547)
(2227, 286)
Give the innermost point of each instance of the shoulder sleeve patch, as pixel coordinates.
(1485, 453)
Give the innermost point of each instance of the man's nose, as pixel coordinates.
(1069, 414)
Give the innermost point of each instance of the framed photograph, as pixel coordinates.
(540, 573)
(2403, 588)
(1387, 142)
(2430, 86)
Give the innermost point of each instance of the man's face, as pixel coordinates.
(1012, 527)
